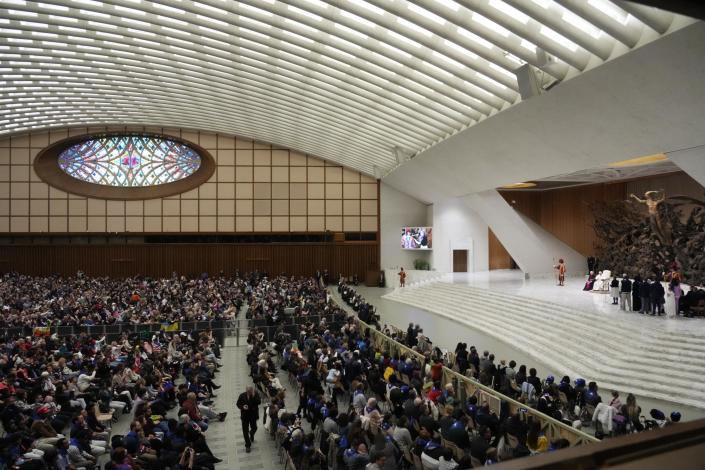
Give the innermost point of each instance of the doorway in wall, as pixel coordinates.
(460, 261)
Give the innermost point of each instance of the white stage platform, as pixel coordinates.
(576, 333)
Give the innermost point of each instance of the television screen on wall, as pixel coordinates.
(417, 238)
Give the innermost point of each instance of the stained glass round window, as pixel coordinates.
(129, 161)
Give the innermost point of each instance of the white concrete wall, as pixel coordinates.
(399, 210)
(534, 249)
(457, 226)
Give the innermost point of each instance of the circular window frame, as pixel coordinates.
(46, 165)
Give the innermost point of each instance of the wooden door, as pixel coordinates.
(460, 261)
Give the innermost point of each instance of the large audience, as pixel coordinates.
(355, 405)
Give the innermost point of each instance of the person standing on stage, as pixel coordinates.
(644, 292)
(636, 295)
(625, 293)
(402, 277)
(561, 272)
(248, 404)
(614, 290)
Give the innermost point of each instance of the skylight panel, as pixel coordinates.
(398, 51)
(610, 9)
(254, 21)
(300, 25)
(490, 80)
(141, 31)
(213, 31)
(502, 70)
(528, 45)
(172, 20)
(344, 41)
(144, 24)
(350, 30)
(573, 19)
(368, 6)
(50, 6)
(414, 26)
(102, 25)
(318, 3)
(22, 13)
(89, 2)
(426, 14)
(543, 3)
(509, 11)
(359, 19)
(448, 59)
(130, 10)
(72, 29)
(303, 38)
(488, 23)
(33, 24)
(205, 6)
(474, 37)
(449, 4)
(405, 39)
(109, 35)
(93, 13)
(563, 41)
(168, 8)
(255, 9)
(211, 20)
(304, 12)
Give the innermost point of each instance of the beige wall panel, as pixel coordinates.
(209, 141)
(263, 173)
(57, 193)
(19, 206)
(262, 145)
(192, 194)
(243, 191)
(226, 174)
(368, 207)
(5, 207)
(243, 207)
(4, 224)
(225, 142)
(280, 207)
(19, 172)
(39, 139)
(77, 224)
(189, 207)
(298, 207)
(21, 140)
(19, 224)
(207, 224)
(192, 136)
(280, 157)
(313, 161)
(243, 143)
(350, 176)
(280, 174)
(58, 224)
(262, 157)
(297, 224)
(280, 224)
(367, 179)
(262, 224)
(316, 224)
(153, 207)
(351, 207)
(226, 208)
(171, 207)
(297, 190)
(20, 157)
(55, 136)
(351, 224)
(368, 224)
(33, 176)
(226, 157)
(316, 207)
(115, 208)
(134, 224)
(39, 207)
(368, 191)
(297, 159)
(58, 207)
(296, 174)
(39, 190)
(134, 207)
(152, 224)
(189, 224)
(262, 190)
(243, 174)
(243, 224)
(351, 191)
(96, 224)
(334, 223)
(226, 224)
(226, 191)
(316, 174)
(334, 191)
(5, 173)
(316, 191)
(208, 191)
(334, 174)
(171, 224)
(243, 157)
(4, 156)
(116, 224)
(4, 190)
(280, 190)
(77, 207)
(262, 207)
(334, 207)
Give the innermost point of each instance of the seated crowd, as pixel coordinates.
(382, 411)
(60, 395)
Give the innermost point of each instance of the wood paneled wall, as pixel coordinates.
(499, 257)
(566, 212)
(191, 259)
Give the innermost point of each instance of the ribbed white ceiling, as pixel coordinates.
(357, 82)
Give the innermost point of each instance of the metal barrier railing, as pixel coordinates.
(552, 428)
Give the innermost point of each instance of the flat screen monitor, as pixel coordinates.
(417, 238)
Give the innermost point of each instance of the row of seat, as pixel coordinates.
(659, 364)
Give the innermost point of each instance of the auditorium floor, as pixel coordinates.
(446, 333)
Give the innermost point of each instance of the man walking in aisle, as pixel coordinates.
(248, 403)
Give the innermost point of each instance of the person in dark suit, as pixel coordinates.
(248, 404)
(657, 297)
(645, 293)
(636, 294)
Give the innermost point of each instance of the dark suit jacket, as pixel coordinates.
(253, 402)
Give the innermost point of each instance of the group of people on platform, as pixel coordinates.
(652, 295)
(378, 410)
